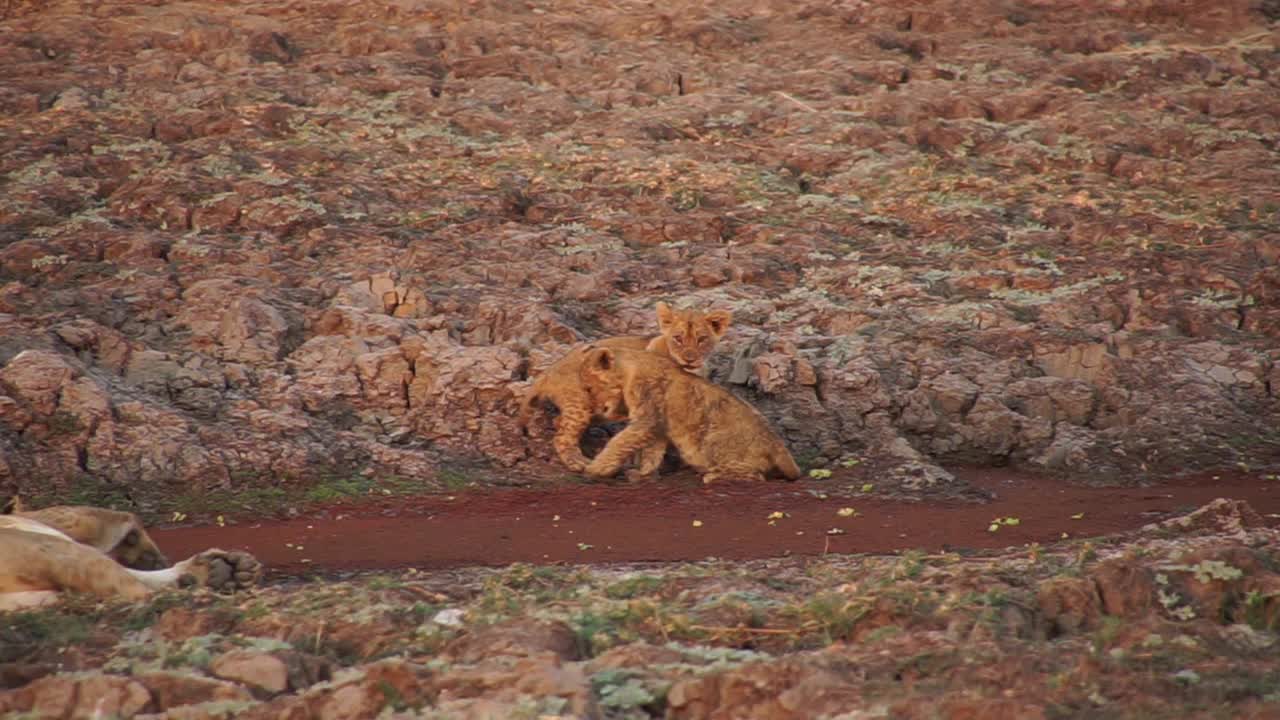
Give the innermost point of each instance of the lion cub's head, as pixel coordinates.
(604, 382)
(690, 335)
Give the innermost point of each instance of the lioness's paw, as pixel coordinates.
(224, 569)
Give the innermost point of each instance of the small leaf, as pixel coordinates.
(868, 487)
(697, 523)
(1078, 516)
(835, 531)
(777, 515)
(846, 512)
(993, 527)
(585, 546)
(819, 473)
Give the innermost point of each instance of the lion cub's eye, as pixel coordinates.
(678, 338)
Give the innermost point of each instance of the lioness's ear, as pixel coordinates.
(665, 316)
(719, 321)
(11, 506)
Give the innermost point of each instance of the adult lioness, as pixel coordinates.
(101, 552)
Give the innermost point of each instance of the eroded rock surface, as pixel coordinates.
(252, 246)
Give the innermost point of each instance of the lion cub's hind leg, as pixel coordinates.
(743, 472)
(650, 458)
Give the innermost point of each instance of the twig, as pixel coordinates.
(756, 631)
(749, 146)
(800, 103)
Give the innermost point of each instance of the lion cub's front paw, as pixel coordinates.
(595, 468)
(223, 570)
(639, 475)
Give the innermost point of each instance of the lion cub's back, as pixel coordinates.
(710, 425)
(569, 366)
(561, 382)
(719, 424)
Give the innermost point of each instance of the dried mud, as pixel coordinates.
(655, 521)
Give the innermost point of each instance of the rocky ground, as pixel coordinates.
(262, 246)
(1176, 620)
(254, 254)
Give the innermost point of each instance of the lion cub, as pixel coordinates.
(715, 432)
(687, 337)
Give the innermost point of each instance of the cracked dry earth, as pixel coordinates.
(260, 256)
(259, 246)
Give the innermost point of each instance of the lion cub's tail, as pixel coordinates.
(529, 404)
(783, 461)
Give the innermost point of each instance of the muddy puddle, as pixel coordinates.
(684, 520)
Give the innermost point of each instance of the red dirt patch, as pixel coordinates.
(654, 521)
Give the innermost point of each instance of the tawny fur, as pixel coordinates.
(119, 535)
(687, 337)
(59, 549)
(715, 432)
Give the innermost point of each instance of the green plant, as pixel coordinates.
(834, 613)
(632, 587)
(452, 479)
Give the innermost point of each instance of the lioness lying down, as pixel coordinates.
(105, 553)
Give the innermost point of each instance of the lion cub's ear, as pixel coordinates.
(599, 360)
(719, 321)
(11, 506)
(665, 316)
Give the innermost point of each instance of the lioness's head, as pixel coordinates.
(691, 334)
(603, 383)
(137, 550)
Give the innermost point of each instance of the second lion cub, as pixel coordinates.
(687, 337)
(715, 432)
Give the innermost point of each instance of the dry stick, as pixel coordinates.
(749, 146)
(758, 631)
(800, 103)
